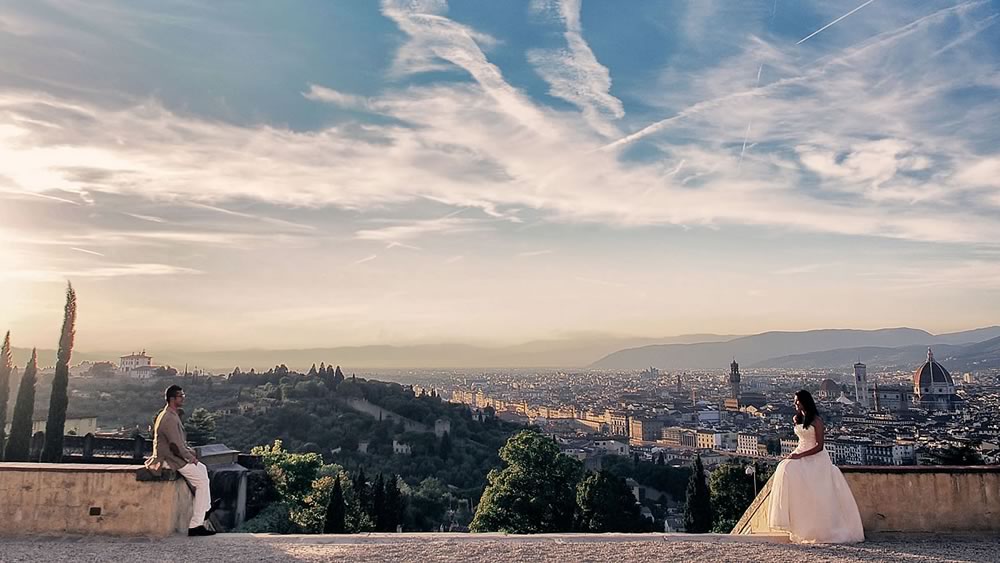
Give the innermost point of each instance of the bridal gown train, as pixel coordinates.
(810, 498)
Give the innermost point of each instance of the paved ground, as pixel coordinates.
(246, 548)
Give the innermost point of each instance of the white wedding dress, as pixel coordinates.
(810, 498)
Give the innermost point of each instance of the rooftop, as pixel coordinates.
(488, 547)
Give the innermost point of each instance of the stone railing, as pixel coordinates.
(75, 499)
(910, 499)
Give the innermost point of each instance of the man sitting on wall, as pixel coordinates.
(170, 450)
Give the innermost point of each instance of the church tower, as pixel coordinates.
(861, 385)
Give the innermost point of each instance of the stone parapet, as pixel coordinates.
(83, 499)
(911, 499)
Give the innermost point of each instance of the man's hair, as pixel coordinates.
(172, 392)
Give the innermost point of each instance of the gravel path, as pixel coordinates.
(241, 548)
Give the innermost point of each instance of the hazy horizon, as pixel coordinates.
(421, 172)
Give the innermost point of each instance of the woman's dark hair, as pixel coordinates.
(808, 406)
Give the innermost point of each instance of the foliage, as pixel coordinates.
(664, 478)
(200, 428)
(427, 505)
(965, 454)
(732, 492)
(19, 442)
(535, 493)
(6, 369)
(606, 504)
(698, 505)
(275, 519)
(55, 424)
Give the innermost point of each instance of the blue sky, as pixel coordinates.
(297, 174)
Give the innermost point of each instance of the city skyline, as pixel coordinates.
(425, 172)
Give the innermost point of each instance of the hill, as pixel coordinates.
(780, 346)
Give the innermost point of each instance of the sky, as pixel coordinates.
(230, 175)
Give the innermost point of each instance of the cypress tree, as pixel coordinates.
(6, 369)
(19, 442)
(338, 376)
(377, 513)
(698, 508)
(55, 425)
(312, 371)
(335, 511)
(393, 504)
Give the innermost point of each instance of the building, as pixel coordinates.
(933, 387)
(891, 398)
(644, 429)
(133, 361)
(788, 445)
(399, 448)
(678, 437)
(442, 426)
(612, 447)
(705, 440)
(861, 385)
(746, 444)
(829, 389)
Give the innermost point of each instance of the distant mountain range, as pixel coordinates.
(830, 348)
(570, 352)
(808, 349)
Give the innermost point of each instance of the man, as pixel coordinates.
(170, 450)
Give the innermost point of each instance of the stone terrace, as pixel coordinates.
(398, 548)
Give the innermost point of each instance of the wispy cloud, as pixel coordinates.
(331, 96)
(533, 253)
(410, 230)
(102, 272)
(574, 74)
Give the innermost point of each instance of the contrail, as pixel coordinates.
(84, 250)
(804, 39)
(744, 149)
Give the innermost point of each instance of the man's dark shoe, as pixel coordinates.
(200, 531)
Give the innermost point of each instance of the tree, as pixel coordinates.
(393, 504)
(535, 493)
(338, 376)
(444, 449)
(732, 492)
(660, 460)
(965, 454)
(312, 371)
(362, 492)
(698, 506)
(6, 369)
(165, 371)
(335, 510)
(200, 428)
(606, 504)
(19, 443)
(55, 425)
(377, 513)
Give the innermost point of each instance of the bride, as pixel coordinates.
(810, 498)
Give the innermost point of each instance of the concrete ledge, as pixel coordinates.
(81, 499)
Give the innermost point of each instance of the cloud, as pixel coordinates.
(331, 96)
(849, 144)
(533, 253)
(101, 272)
(415, 229)
(574, 74)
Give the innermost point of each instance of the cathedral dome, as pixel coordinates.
(829, 386)
(931, 377)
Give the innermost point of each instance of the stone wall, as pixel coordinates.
(78, 499)
(914, 499)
